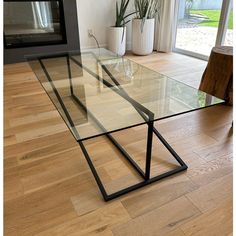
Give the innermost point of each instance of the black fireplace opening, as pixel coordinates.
(33, 23)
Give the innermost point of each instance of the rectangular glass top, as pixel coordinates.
(97, 92)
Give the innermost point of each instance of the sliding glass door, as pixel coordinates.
(227, 39)
(202, 24)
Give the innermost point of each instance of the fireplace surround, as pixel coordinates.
(32, 27)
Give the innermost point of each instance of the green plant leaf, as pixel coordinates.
(117, 13)
(121, 13)
(130, 14)
(123, 34)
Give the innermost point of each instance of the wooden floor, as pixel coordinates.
(49, 189)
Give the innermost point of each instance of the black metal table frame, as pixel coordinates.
(147, 115)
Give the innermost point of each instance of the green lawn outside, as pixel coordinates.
(214, 16)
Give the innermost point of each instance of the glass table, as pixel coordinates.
(98, 93)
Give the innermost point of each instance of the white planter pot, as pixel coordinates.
(115, 42)
(142, 42)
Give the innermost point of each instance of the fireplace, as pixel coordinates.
(41, 26)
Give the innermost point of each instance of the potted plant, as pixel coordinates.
(117, 33)
(143, 26)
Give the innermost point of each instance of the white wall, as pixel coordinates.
(97, 15)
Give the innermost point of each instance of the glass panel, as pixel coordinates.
(228, 41)
(41, 24)
(198, 25)
(97, 92)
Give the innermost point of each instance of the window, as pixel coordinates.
(202, 24)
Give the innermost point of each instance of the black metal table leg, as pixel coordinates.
(149, 150)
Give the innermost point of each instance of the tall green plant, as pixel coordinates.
(120, 13)
(146, 9)
(121, 18)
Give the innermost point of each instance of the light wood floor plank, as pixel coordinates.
(208, 172)
(162, 194)
(215, 222)
(98, 221)
(211, 195)
(159, 221)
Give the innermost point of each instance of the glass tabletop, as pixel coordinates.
(97, 92)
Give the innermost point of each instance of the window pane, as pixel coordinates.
(229, 32)
(198, 25)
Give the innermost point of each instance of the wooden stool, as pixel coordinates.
(217, 78)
